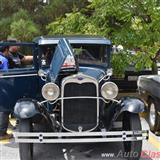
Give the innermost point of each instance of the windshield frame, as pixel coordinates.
(106, 53)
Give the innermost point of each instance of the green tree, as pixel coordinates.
(24, 30)
(73, 24)
(4, 28)
(36, 11)
(22, 27)
(47, 14)
(131, 23)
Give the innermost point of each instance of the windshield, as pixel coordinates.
(83, 53)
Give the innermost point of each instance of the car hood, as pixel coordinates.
(93, 72)
(63, 50)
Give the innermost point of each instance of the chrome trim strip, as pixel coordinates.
(81, 97)
(74, 41)
(86, 140)
(67, 45)
(74, 79)
(79, 134)
(100, 98)
(22, 75)
(44, 137)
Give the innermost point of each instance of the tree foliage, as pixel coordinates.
(4, 28)
(73, 23)
(22, 26)
(24, 30)
(36, 14)
(133, 24)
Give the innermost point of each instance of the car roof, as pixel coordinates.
(43, 40)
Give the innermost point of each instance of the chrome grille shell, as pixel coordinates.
(81, 80)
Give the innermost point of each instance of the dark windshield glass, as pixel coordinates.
(84, 54)
(90, 54)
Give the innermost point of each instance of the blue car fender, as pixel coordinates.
(26, 108)
(131, 104)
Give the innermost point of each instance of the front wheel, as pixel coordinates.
(132, 149)
(25, 149)
(153, 117)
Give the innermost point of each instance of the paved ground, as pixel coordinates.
(9, 150)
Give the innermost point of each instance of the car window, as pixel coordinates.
(85, 54)
(18, 58)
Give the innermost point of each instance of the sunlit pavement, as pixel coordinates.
(151, 150)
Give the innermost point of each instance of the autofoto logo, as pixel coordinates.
(146, 154)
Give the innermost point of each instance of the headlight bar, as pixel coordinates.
(81, 97)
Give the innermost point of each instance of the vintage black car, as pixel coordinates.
(68, 90)
(149, 89)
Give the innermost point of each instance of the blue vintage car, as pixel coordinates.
(68, 90)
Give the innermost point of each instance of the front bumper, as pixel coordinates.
(80, 137)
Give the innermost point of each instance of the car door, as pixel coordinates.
(21, 82)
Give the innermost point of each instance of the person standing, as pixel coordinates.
(4, 115)
(16, 59)
(4, 53)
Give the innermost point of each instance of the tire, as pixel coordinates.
(132, 149)
(153, 117)
(25, 149)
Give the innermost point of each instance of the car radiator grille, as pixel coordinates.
(80, 113)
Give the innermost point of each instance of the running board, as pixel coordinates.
(80, 137)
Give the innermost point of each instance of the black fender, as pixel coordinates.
(27, 108)
(126, 104)
(132, 104)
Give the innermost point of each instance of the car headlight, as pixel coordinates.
(50, 91)
(109, 90)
